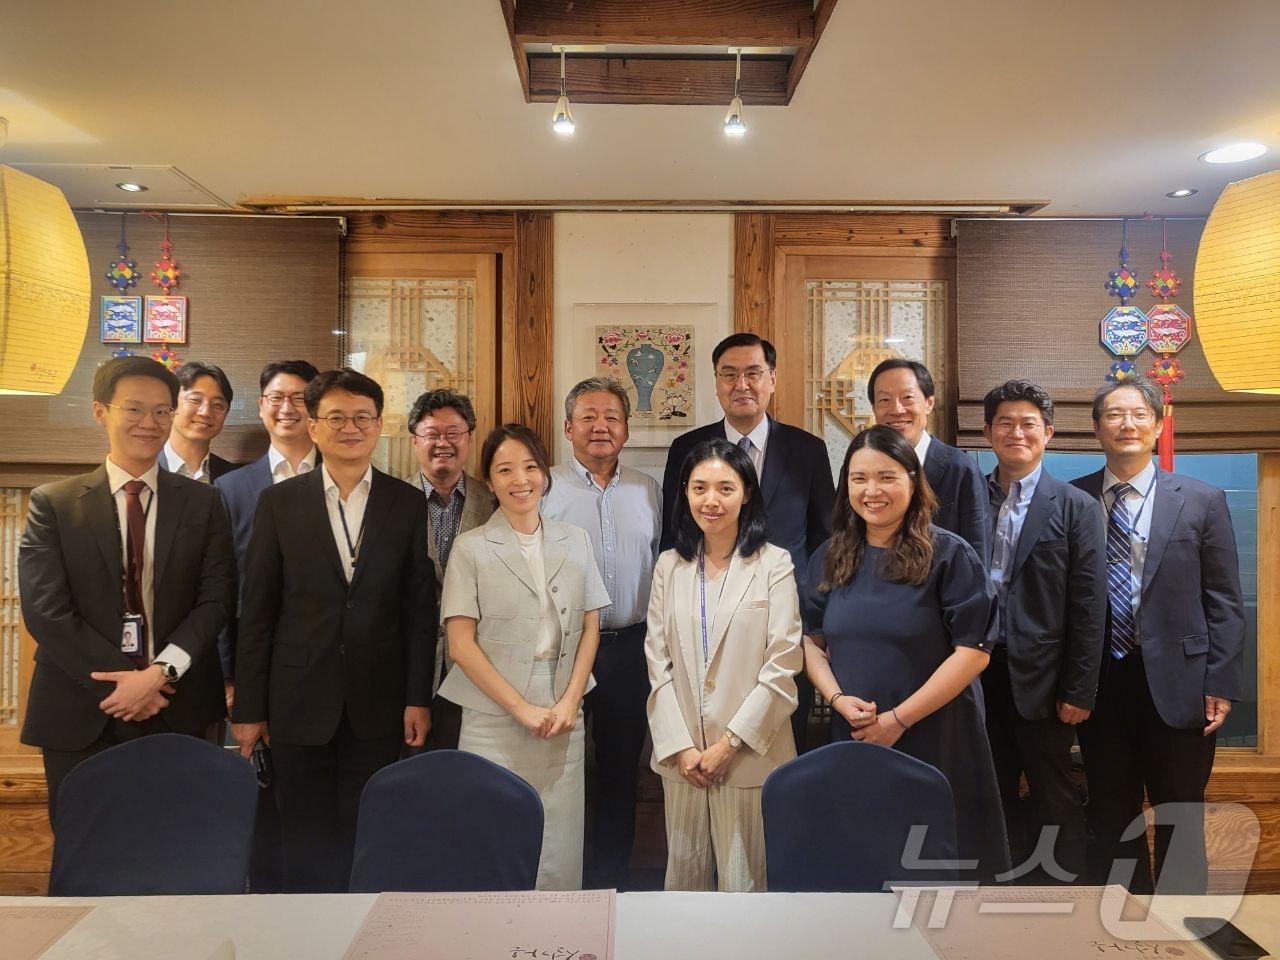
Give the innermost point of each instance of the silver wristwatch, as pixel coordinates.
(735, 741)
(168, 669)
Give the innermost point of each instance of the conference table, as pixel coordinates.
(649, 926)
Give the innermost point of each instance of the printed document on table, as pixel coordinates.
(27, 932)
(532, 925)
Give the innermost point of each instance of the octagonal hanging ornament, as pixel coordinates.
(166, 275)
(123, 272)
(1123, 282)
(1123, 331)
(1168, 328)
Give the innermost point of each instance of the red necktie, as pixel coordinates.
(135, 549)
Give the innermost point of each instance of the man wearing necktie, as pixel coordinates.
(126, 576)
(792, 465)
(1175, 636)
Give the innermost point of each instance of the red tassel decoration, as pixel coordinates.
(1166, 436)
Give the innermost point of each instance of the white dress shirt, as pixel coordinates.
(347, 522)
(1139, 501)
(117, 477)
(179, 466)
(759, 438)
(281, 469)
(922, 448)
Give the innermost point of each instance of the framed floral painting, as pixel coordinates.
(656, 365)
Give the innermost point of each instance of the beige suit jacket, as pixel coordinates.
(749, 682)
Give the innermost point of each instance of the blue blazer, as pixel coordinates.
(240, 490)
(961, 490)
(1191, 616)
(797, 487)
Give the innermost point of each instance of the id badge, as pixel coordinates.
(131, 635)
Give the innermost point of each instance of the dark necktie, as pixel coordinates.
(135, 550)
(1124, 634)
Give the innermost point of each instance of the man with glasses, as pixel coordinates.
(204, 400)
(621, 510)
(1048, 570)
(1173, 658)
(792, 465)
(442, 425)
(337, 631)
(126, 575)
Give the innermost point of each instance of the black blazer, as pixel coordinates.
(1055, 609)
(1191, 614)
(69, 574)
(311, 645)
(961, 490)
(218, 466)
(797, 487)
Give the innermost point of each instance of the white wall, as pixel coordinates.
(641, 258)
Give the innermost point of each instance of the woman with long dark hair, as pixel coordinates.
(900, 620)
(723, 647)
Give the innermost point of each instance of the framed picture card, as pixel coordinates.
(166, 320)
(121, 319)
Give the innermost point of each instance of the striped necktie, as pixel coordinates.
(1124, 632)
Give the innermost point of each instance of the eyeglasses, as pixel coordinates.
(1140, 416)
(339, 421)
(279, 399)
(453, 436)
(753, 375)
(216, 406)
(133, 413)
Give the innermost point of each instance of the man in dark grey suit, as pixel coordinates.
(901, 392)
(126, 576)
(1048, 569)
(792, 464)
(1174, 645)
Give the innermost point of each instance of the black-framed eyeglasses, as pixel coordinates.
(339, 421)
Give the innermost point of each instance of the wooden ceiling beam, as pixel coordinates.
(821, 14)
(656, 79)
(751, 23)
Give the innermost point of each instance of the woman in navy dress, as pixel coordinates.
(899, 622)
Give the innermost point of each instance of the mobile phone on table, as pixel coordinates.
(1224, 938)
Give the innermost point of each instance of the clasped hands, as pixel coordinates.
(548, 722)
(868, 725)
(706, 768)
(139, 694)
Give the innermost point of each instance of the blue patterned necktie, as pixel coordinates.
(1124, 634)
(745, 444)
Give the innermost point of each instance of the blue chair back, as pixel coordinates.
(447, 821)
(838, 819)
(165, 814)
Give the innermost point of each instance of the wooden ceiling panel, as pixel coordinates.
(621, 75)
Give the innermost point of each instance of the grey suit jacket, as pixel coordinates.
(1191, 616)
(489, 581)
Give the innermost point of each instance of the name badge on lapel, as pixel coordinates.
(131, 635)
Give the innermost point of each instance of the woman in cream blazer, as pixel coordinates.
(723, 649)
(520, 608)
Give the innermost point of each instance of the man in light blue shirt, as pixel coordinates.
(621, 510)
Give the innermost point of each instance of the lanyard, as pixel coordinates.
(702, 593)
(1133, 524)
(352, 548)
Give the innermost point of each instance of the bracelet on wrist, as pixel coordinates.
(834, 697)
(894, 711)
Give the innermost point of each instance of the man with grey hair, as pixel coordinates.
(441, 425)
(621, 510)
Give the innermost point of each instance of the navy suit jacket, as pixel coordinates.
(797, 487)
(1055, 608)
(961, 490)
(1191, 613)
(240, 490)
(218, 466)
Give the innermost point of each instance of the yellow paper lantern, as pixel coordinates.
(1237, 286)
(44, 286)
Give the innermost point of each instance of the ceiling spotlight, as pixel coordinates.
(1234, 153)
(733, 125)
(131, 187)
(1182, 193)
(562, 119)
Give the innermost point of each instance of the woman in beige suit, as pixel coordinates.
(521, 612)
(723, 648)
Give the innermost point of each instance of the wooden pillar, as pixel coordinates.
(526, 337)
(753, 275)
(1269, 604)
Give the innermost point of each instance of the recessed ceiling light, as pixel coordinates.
(1182, 194)
(1234, 153)
(131, 187)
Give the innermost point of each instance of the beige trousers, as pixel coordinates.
(714, 832)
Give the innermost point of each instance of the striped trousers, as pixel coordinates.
(717, 832)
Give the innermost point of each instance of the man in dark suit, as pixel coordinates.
(901, 392)
(337, 631)
(126, 576)
(1175, 637)
(1048, 568)
(204, 399)
(792, 464)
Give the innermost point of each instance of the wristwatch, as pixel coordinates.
(735, 741)
(168, 669)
